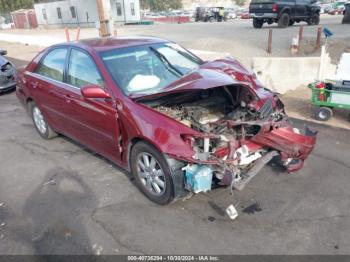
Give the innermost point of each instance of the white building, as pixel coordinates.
(83, 13)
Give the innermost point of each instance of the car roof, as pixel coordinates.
(108, 43)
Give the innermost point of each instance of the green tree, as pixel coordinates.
(239, 2)
(12, 5)
(161, 5)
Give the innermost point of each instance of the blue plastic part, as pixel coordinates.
(198, 178)
(327, 32)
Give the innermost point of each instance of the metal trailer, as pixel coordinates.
(329, 95)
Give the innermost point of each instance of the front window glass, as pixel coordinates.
(53, 64)
(119, 9)
(59, 13)
(132, 8)
(150, 68)
(73, 12)
(82, 70)
(44, 14)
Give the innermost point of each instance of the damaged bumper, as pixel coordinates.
(238, 163)
(7, 77)
(229, 133)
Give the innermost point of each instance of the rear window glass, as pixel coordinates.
(53, 64)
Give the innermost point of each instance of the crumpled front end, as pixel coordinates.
(234, 131)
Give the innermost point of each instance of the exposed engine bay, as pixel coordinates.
(233, 127)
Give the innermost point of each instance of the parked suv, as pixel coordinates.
(210, 14)
(284, 12)
(346, 18)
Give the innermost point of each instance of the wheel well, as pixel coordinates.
(28, 101)
(285, 11)
(132, 143)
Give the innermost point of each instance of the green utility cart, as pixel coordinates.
(329, 95)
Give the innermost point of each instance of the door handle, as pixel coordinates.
(34, 84)
(68, 98)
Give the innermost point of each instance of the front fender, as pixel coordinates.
(141, 122)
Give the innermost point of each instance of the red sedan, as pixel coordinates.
(177, 123)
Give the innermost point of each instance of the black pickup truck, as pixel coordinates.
(284, 12)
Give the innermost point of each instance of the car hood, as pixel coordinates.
(221, 72)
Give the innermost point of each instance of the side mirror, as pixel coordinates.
(94, 91)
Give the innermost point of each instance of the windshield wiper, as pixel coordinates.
(188, 56)
(171, 68)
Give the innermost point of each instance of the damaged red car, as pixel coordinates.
(177, 123)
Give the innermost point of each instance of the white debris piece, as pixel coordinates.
(98, 249)
(231, 212)
(245, 156)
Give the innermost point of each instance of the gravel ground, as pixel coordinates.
(236, 37)
(57, 197)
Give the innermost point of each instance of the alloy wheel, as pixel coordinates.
(151, 174)
(39, 120)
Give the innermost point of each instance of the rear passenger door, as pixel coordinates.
(44, 84)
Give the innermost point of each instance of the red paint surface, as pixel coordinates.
(110, 125)
(172, 19)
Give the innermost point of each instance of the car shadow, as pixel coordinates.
(92, 152)
(55, 211)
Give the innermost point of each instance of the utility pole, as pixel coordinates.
(104, 10)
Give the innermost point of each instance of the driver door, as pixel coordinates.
(95, 119)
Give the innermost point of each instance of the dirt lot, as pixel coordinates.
(56, 197)
(228, 37)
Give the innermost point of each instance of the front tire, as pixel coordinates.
(283, 22)
(152, 173)
(314, 19)
(258, 23)
(40, 122)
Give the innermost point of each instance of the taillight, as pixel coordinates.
(274, 8)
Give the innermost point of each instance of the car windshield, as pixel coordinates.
(149, 68)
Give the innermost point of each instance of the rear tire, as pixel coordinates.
(323, 113)
(153, 180)
(291, 23)
(283, 22)
(40, 122)
(314, 19)
(258, 23)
